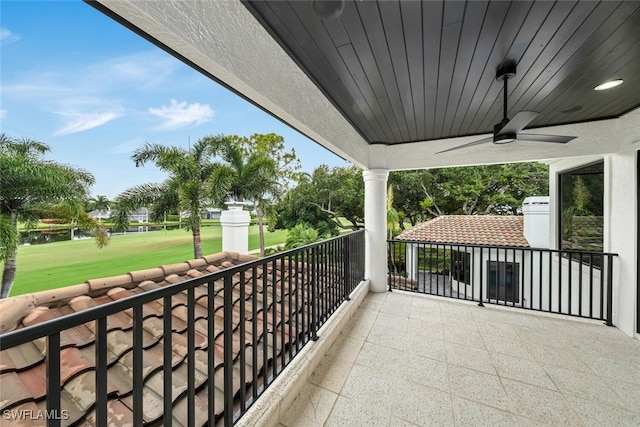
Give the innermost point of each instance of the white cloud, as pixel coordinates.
(181, 114)
(7, 36)
(77, 121)
(3, 114)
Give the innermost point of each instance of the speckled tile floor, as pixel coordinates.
(416, 360)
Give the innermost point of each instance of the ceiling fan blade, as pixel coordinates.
(519, 122)
(480, 141)
(560, 139)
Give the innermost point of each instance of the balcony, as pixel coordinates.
(246, 343)
(412, 359)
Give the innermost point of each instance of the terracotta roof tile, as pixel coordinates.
(23, 371)
(491, 230)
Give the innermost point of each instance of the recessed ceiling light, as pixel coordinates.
(609, 84)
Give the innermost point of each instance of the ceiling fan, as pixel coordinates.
(508, 130)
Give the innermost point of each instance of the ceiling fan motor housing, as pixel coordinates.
(502, 138)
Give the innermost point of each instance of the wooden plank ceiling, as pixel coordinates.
(405, 71)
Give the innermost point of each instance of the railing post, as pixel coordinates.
(481, 284)
(346, 252)
(138, 378)
(314, 294)
(101, 372)
(609, 321)
(53, 379)
(228, 351)
(390, 274)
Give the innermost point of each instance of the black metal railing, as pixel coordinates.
(570, 282)
(259, 315)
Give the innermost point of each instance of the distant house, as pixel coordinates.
(141, 215)
(211, 213)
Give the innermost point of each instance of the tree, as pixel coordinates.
(245, 172)
(392, 213)
(32, 188)
(188, 189)
(483, 190)
(409, 193)
(323, 199)
(286, 170)
(101, 204)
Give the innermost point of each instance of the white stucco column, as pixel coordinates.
(411, 259)
(235, 228)
(375, 224)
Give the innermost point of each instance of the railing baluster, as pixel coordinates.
(274, 317)
(138, 382)
(305, 292)
(283, 294)
(560, 283)
(481, 285)
(265, 324)
(602, 291)
(289, 312)
(211, 355)
(314, 295)
(191, 358)
(609, 317)
(167, 330)
(297, 301)
(530, 256)
(346, 249)
(570, 283)
(254, 332)
(228, 350)
(101, 371)
(53, 379)
(515, 285)
(580, 284)
(540, 281)
(243, 342)
(551, 280)
(591, 286)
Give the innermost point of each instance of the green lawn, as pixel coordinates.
(54, 265)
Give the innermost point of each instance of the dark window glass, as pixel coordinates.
(503, 281)
(582, 210)
(461, 266)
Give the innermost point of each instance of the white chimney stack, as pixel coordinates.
(235, 228)
(536, 221)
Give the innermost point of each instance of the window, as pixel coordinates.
(461, 266)
(503, 280)
(582, 208)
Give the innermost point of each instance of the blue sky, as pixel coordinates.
(94, 91)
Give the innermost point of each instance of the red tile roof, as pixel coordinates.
(22, 368)
(491, 230)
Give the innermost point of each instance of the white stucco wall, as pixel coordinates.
(620, 225)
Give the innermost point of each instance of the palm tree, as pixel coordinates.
(244, 175)
(188, 188)
(32, 187)
(392, 214)
(100, 204)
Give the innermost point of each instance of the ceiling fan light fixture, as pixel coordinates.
(504, 138)
(608, 85)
